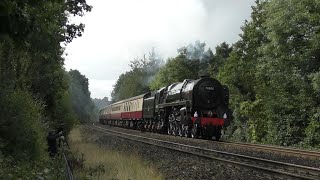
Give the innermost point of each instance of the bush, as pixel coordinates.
(21, 130)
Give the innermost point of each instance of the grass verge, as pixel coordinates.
(95, 162)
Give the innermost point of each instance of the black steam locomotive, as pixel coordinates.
(192, 108)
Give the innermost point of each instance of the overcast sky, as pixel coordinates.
(117, 31)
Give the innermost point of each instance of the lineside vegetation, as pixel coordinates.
(34, 86)
(272, 71)
(99, 162)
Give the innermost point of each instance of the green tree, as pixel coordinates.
(288, 64)
(273, 73)
(176, 70)
(82, 105)
(21, 128)
(238, 73)
(217, 60)
(100, 103)
(137, 80)
(34, 86)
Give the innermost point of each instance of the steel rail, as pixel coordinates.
(286, 150)
(283, 150)
(275, 168)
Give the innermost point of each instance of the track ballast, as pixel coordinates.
(270, 167)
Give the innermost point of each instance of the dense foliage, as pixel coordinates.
(82, 105)
(137, 80)
(272, 72)
(34, 92)
(100, 103)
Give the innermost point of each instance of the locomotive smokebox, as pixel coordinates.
(207, 93)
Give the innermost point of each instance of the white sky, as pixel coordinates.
(117, 31)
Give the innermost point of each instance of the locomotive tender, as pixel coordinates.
(192, 108)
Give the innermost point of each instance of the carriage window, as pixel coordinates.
(137, 104)
(134, 105)
(116, 108)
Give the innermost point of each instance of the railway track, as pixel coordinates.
(282, 150)
(270, 167)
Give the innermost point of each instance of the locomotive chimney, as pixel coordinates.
(204, 75)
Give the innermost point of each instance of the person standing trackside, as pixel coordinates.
(52, 142)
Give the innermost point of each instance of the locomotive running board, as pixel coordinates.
(185, 103)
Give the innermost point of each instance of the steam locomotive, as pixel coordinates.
(192, 108)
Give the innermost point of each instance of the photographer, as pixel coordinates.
(52, 142)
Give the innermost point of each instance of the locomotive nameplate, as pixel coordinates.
(210, 88)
